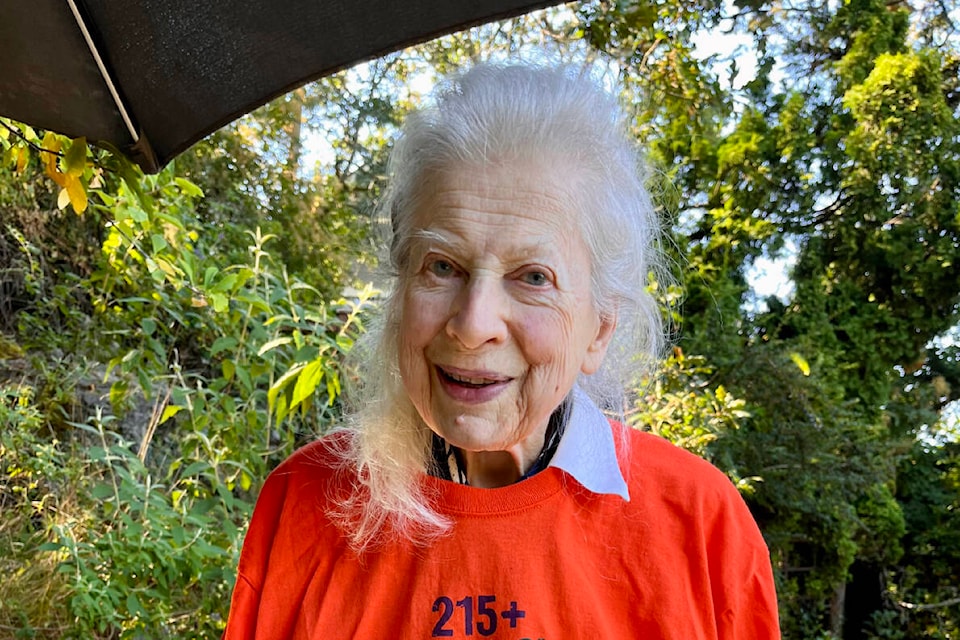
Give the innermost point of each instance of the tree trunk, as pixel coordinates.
(837, 603)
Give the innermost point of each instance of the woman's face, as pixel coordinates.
(497, 317)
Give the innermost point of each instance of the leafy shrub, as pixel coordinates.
(131, 503)
(38, 482)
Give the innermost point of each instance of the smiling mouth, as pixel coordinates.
(471, 382)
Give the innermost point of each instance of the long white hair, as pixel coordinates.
(500, 113)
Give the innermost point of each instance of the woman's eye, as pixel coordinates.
(441, 268)
(536, 278)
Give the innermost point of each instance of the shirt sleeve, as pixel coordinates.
(257, 545)
(744, 588)
(242, 621)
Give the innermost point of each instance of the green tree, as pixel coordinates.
(842, 153)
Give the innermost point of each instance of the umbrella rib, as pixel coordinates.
(103, 71)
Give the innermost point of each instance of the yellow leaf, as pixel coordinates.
(76, 192)
(51, 148)
(170, 233)
(63, 199)
(801, 363)
(50, 142)
(168, 412)
(22, 156)
(166, 267)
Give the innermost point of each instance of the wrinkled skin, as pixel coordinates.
(497, 315)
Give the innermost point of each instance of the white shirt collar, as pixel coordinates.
(587, 450)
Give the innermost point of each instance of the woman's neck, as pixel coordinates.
(492, 469)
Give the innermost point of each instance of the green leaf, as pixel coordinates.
(75, 159)
(281, 383)
(228, 368)
(174, 221)
(133, 605)
(310, 376)
(220, 302)
(333, 388)
(131, 176)
(195, 468)
(109, 200)
(118, 392)
(226, 283)
(223, 343)
(101, 491)
(149, 325)
(256, 303)
(189, 188)
(244, 376)
(279, 406)
(158, 242)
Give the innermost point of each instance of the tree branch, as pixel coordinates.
(946, 15)
(32, 145)
(929, 607)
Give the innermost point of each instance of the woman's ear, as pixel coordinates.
(598, 347)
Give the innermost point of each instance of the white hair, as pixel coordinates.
(502, 113)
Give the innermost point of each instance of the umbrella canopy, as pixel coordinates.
(151, 77)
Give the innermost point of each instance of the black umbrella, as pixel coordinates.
(151, 77)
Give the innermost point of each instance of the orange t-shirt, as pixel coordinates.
(541, 559)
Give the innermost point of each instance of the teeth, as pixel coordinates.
(471, 380)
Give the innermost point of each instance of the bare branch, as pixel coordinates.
(929, 607)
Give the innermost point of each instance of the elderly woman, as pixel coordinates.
(479, 490)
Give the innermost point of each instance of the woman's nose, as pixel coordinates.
(480, 312)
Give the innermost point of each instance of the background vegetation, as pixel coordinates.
(166, 340)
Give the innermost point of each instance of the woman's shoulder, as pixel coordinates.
(302, 487)
(673, 485)
(312, 465)
(325, 450)
(655, 462)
